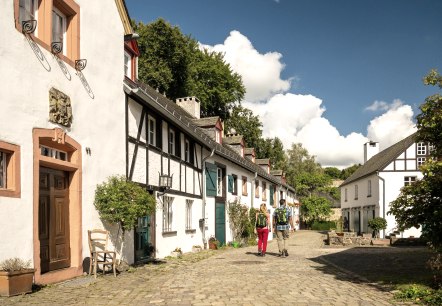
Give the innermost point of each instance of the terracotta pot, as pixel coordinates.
(16, 282)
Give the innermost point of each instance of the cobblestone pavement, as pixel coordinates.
(224, 277)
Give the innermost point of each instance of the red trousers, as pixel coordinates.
(263, 234)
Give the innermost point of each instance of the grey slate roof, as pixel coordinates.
(262, 161)
(233, 139)
(249, 151)
(381, 160)
(276, 172)
(180, 117)
(205, 122)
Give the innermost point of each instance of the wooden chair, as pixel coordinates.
(100, 255)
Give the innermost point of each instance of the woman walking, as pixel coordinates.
(262, 228)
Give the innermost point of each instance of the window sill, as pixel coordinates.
(170, 233)
(190, 231)
(10, 193)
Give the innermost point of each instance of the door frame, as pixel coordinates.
(58, 139)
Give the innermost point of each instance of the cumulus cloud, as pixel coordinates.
(261, 73)
(296, 118)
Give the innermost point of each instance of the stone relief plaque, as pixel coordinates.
(60, 109)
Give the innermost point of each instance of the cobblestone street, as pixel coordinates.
(229, 277)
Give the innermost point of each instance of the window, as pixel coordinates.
(58, 21)
(167, 214)
(369, 189)
(235, 184)
(244, 186)
(217, 136)
(421, 149)
(171, 141)
(420, 161)
(345, 194)
(256, 189)
(54, 153)
(219, 179)
(264, 191)
(9, 170)
(189, 204)
(187, 151)
(27, 10)
(356, 192)
(127, 65)
(408, 180)
(151, 131)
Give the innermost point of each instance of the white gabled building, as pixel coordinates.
(61, 127)
(370, 190)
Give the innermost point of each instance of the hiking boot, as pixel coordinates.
(286, 253)
(282, 254)
(259, 253)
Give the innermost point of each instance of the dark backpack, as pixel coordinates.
(261, 221)
(281, 216)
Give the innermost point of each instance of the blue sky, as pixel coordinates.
(328, 74)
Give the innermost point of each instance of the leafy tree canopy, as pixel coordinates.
(347, 172)
(420, 204)
(315, 208)
(333, 172)
(174, 64)
(246, 124)
(273, 149)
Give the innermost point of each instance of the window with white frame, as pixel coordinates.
(151, 131)
(420, 161)
(187, 150)
(408, 180)
(264, 191)
(356, 192)
(167, 213)
(59, 28)
(421, 149)
(219, 180)
(235, 184)
(217, 136)
(369, 188)
(127, 65)
(171, 141)
(189, 204)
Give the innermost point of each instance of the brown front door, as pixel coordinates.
(53, 219)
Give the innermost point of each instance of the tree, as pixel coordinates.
(174, 64)
(315, 208)
(347, 172)
(333, 172)
(377, 224)
(420, 203)
(246, 124)
(273, 149)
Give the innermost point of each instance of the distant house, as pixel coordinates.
(370, 190)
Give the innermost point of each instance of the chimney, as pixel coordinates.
(191, 105)
(371, 148)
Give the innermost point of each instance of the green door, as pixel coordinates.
(143, 239)
(220, 222)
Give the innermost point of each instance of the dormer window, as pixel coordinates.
(127, 65)
(218, 136)
(242, 151)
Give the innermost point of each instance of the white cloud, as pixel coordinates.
(296, 118)
(261, 73)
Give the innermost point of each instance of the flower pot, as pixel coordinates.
(16, 282)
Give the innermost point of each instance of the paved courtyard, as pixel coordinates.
(228, 277)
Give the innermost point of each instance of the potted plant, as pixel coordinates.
(213, 243)
(16, 277)
(177, 253)
(377, 224)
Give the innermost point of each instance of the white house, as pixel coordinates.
(370, 190)
(61, 131)
(168, 140)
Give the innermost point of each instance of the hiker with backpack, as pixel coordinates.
(282, 220)
(262, 228)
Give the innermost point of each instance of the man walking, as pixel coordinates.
(282, 220)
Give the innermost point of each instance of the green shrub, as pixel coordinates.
(420, 294)
(323, 225)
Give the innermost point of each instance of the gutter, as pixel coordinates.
(383, 199)
(203, 204)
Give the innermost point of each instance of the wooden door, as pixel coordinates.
(144, 247)
(53, 219)
(220, 222)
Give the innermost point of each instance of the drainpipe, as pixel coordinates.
(383, 199)
(203, 162)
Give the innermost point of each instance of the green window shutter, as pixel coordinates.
(230, 183)
(211, 180)
(271, 195)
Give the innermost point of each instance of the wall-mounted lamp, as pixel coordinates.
(56, 47)
(165, 183)
(80, 64)
(28, 26)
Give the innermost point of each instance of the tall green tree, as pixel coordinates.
(315, 208)
(347, 172)
(420, 204)
(333, 172)
(273, 149)
(246, 124)
(174, 64)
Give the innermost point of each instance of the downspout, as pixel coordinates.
(203, 163)
(383, 199)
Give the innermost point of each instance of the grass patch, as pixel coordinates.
(419, 294)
